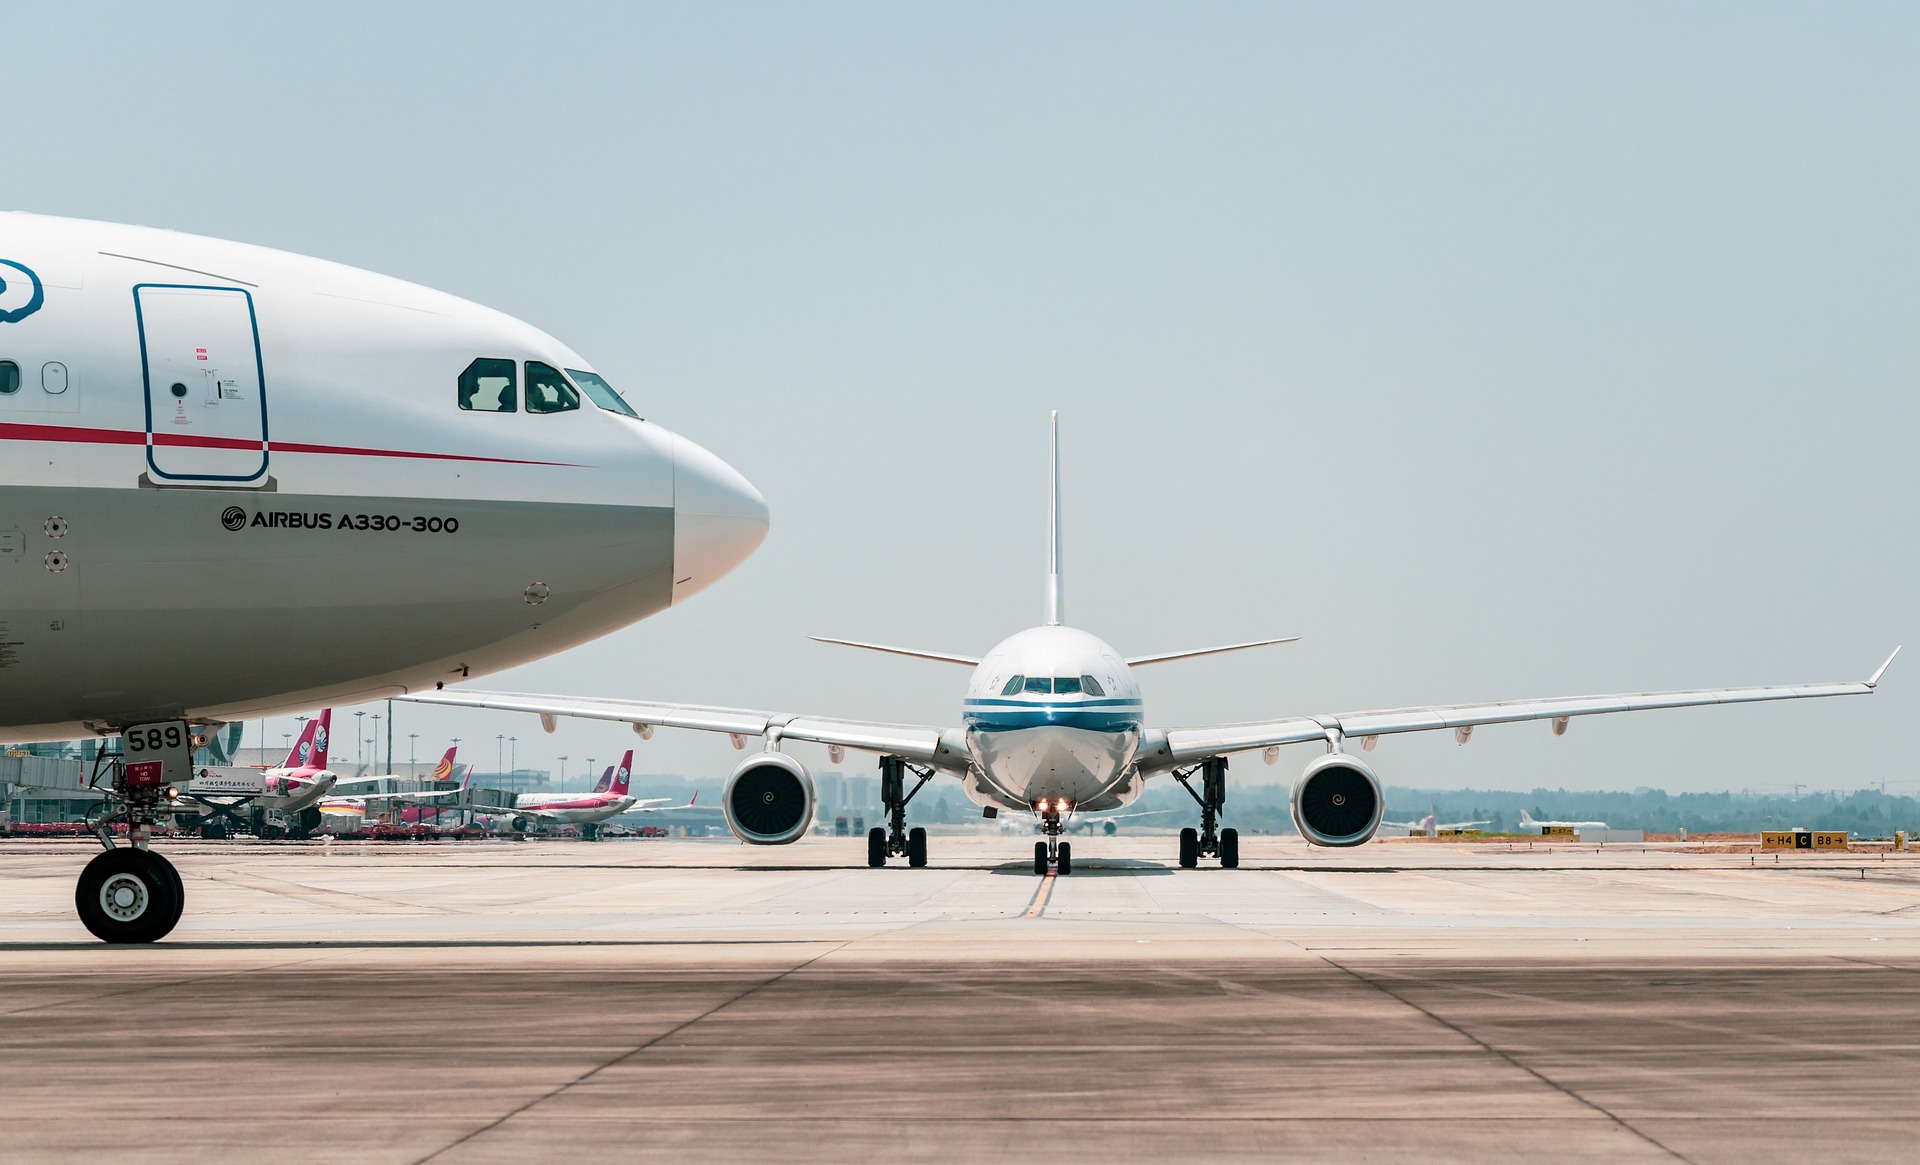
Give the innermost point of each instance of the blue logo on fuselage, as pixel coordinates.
(19, 299)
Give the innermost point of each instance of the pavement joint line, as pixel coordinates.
(1744, 1034)
(1831, 884)
(153, 986)
(1041, 893)
(1509, 1058)
(632, 1052)
(314, 895)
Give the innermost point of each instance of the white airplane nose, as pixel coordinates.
(718, 519)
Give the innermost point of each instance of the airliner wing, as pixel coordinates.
(1186, 745)
(912, 741)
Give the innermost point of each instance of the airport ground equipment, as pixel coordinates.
(285, 482)
(1052, 723)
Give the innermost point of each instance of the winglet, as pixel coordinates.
(1875, 681)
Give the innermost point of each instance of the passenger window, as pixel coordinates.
(548, 391)
(602, 393)
(1091, 686)
(9, 378)
(1013, 686)
(1066, 685)
(1040, 684)
(488, 386)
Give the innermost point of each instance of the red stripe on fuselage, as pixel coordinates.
(74, 434)
(70, 433)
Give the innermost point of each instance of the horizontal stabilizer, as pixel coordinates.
(937, 656)
(1143, 660)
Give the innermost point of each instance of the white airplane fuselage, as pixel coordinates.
(236, 482)
(1030, 743)
(574, 808)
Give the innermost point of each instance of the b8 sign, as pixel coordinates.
(167, 742)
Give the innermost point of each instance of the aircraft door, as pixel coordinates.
(206, 396)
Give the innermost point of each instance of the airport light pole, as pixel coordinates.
(563, 774)
(360, 737)
(499, 750)
(513, 754)
(589, 767)
(411, 762)
(375, 739)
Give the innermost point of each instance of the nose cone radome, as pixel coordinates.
(718, 519)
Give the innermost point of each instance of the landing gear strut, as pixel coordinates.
(1052, 852)
(1208, 841)
(129, 894)
(895, 839)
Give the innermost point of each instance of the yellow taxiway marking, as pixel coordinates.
(1041, 895)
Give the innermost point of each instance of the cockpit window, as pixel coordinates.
(1040, 684)
(548, 391)
(1066, 685)
(1013, 685)
(602, 393)
(489, 386)
(1091, 686)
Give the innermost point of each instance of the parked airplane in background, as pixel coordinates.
(584, 809)
(346, 814)
(1529, 825)
(1052, 723)
(211, 448)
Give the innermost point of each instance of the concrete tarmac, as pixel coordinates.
(705, 1001)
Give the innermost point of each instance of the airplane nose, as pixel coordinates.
(718, 519)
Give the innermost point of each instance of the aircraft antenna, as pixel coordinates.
(1055, 603)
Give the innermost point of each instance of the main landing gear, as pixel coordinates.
(895, 839)
(1052, 852)
(129, 894)
(1207, 841)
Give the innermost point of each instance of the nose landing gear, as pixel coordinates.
(129, 894)
(1052, 852)
(895, 839)
(1208, 841)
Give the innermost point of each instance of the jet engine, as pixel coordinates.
(769, 799)
(1337, 801)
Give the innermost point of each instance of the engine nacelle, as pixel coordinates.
(769, 799)
(1337, 801)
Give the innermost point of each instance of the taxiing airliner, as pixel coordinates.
(1052, 723)
(240, 483)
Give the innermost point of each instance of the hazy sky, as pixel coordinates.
(1498, 350)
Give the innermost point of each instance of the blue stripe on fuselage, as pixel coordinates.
(1054, 716)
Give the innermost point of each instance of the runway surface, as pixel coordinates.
(704, 1001)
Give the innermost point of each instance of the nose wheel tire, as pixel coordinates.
(876, 847)
(1040, 858)
(1229, 849)
(129, 896)
(1189, 848)
(916, 847)
(1064, 865)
